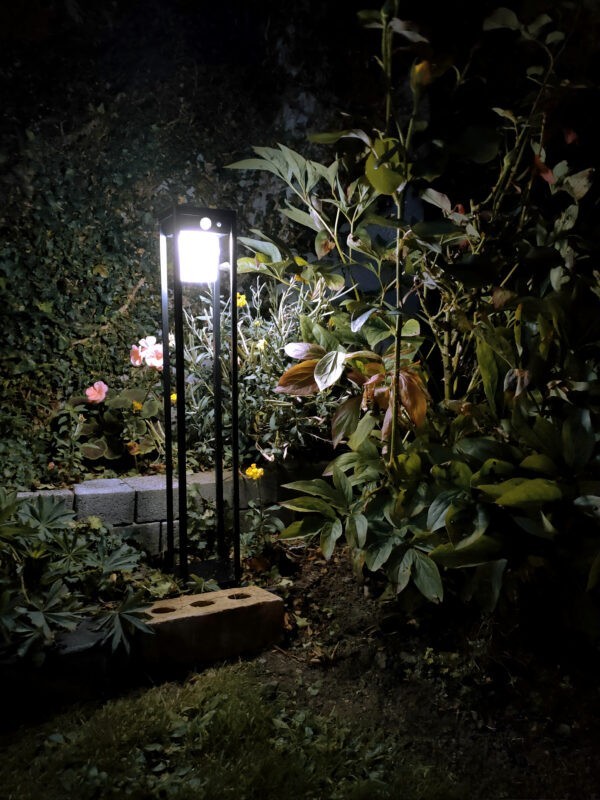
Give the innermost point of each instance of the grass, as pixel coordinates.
(218, 735)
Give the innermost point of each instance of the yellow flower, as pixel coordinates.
(261, 344)
(254, 473)
(241, 301)
(137, 406)
(173, 398)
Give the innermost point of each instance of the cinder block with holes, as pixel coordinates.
(213, 626)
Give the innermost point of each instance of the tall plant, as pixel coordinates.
(464, 356)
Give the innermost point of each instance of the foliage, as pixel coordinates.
(121, 425)
(55, 572)
(269, 314)
(217, 735)
(464, 358)
(86, 164)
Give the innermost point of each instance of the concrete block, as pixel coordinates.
(66, 495)
(109, 498)
(211, 627)
(146, 535)
(151, 497)
(163, 535)
(204, 484)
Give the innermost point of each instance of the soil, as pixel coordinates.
(498, 717)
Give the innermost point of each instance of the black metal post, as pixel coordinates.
(223, 224)
(235, 428)
(218, 416)
(180, 405)
(166, 375)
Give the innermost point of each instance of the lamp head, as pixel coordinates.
(197, 234)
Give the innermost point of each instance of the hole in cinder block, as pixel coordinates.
(238, 596)
(202, 603)
(163, 610)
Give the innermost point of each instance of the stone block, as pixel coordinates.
(204, 484)
(213, 626)
(109, 498)
(151, 497)
(163, 535)
(66, 495)
(146, 535)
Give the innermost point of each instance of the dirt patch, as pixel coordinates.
(500, 722)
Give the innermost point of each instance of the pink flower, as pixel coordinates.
(154, 356)
(135, 356)
(97, 392)
(149, 343)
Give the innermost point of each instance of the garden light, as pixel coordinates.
(196, 246)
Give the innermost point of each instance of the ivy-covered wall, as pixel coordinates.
(111, 113)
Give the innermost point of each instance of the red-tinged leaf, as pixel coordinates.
(299, 380)
(345, 420)
(381, 396)
(413, 396)
(304, 350)
(369, 389)
(570, 136)
(356, 377)
(543, 170)
(386, 426)
(323, 244)
(501, 297)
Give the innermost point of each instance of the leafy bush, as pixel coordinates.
(464, 360)
(270, 313)
(55, 572)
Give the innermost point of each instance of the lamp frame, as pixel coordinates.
(223, 222)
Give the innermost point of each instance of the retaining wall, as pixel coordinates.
(138, 506)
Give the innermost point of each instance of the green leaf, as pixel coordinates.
(334, 136)
(259, 246)
(255, 163)
(399, 574)
(578, 184)
(324, 337)
(363, 429)
(480, 551)
(343, 485)
(578, 439)
(486, 584)
(356, 530)
(436, 516)
(437, 199)
(310, 505)
(329, 536)
(345, 420)
(301, 217)
(539, 462)
(502, 18)
(317, 487)
(426, 577)
(330, 369)
(302, 529)
(379, 552)
(488, 369)
(529, 493)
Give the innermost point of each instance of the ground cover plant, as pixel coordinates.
(57, 573)
(463, 359)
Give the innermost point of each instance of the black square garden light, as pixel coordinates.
(197, 246)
